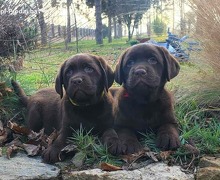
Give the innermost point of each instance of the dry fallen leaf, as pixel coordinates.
(109, 167)
(8, 90)
(4, 90)
(165, 154)
(11, 149)
(16, 142)
(69, 148)
(52, 137)
(32, 150)
(36, 136)
(3, 136)
(131, 158)
(18, 129)
(191, 149)
(152, 155)
(1, 127)
(0, 151)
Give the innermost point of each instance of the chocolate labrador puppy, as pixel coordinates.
(142, 103)
(82, 83)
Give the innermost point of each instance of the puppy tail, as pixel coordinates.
(20, 92)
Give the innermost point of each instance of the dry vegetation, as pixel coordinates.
(207, 32)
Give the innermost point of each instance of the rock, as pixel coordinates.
(208, 161)
(155, 171)
(209, 168)
(23, 167)
(210, 173)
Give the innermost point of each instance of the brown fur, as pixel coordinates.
(86, 79)
(43, 108)
(142, 103)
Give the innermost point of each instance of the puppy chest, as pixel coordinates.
(91, 119)
(138, 118)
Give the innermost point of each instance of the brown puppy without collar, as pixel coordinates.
(43, 108)
(85, 101)
(142, 103)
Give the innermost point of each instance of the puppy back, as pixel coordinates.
(20, 93)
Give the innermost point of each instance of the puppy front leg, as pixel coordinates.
(111, 140)
(168, 137)
(129, 141)
(53, 153)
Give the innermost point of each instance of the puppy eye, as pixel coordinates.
(69, 72)
(152, 60)
(88, 69)
(130, 63)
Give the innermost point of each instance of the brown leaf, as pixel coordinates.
(18, 129)
(16, 142)
(152, 155)
(69, 148)
(165, 154)
(37, 139)
(52, 137)
(3, 136)
(109, 167)
(191, 149)
(131, 158)
(32, 150)
(11, 149)
(8, 90)
(36, 136)
(4, 90)
(0, 151)
(1, 127)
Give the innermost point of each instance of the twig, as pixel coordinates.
(14, 116)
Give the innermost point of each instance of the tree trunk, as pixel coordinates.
(43, 26)
(68, 28)
(98, 30)
(52, 30)
(109, 29)
(115, 28)
(119, 29)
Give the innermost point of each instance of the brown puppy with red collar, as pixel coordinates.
(82, 83)
(142, 103)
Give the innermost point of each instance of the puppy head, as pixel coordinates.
(84, 77)
(145, 66)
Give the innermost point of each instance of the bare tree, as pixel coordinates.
(131, 12)
(42, 24)
(98, 30)
(68, 28)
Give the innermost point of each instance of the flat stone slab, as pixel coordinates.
(154, 171)
(23, 167)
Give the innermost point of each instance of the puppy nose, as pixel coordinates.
(140, 72)
(77, 81)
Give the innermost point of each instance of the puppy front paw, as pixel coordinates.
(51, 155)
(168, 141)
(114, 146)
(111, 140)
(130, 146)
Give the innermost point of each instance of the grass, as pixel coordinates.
(89, 149)
(41, 65)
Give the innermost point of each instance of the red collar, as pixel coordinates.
(125, 95)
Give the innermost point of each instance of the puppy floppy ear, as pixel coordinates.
(59, 81)
(107, 73)
(172, 66)
(119, 69)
